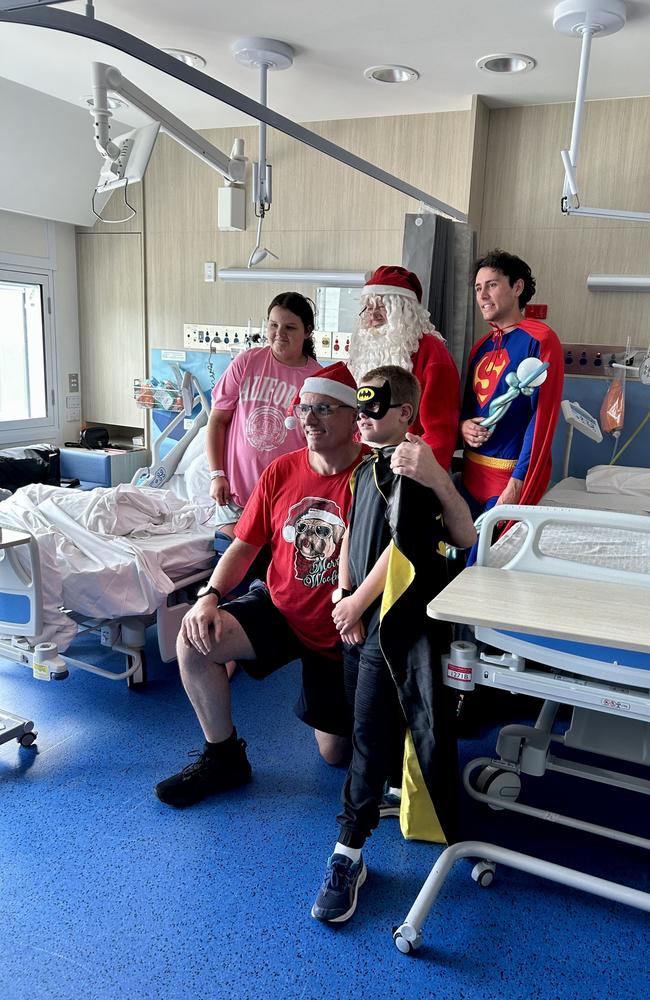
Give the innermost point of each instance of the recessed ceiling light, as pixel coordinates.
(506, 62)
(391, 74)
(189, 58)
(113, 102)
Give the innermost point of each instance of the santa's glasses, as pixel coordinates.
(320, 410)
(374, 309)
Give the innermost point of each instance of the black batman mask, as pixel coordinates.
(373, 400)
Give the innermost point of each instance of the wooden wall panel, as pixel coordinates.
(521, 211)
(116, 208)
(323, 215)
(111, 321)
(177, 294)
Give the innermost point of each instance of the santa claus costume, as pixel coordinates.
(403, 335)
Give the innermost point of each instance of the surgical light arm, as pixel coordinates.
(108, 78)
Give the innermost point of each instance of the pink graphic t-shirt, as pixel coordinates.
(260, 390)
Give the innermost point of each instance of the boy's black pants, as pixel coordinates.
(377, 739)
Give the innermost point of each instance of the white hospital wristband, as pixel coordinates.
(217, 474)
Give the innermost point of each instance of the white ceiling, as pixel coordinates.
(334, 41)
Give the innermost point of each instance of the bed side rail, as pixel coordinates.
(21, 609)
(162, 469)
(531, 559)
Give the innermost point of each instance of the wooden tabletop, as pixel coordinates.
(606, 614)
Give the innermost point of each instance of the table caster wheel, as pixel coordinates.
(27, 739)
(406, 939)
(483, 873)
(499, 786)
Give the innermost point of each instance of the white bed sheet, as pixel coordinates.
(108, 553)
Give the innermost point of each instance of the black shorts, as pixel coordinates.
(322, 703)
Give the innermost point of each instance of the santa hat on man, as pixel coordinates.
(407, 320)
(335, 381)
(389, 279)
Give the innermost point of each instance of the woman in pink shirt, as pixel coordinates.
(246, 429)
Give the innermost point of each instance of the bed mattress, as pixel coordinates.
(573, 493)
(592, 545)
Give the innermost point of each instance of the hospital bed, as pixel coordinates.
(111, 561)
(564, 594)
(117, 560)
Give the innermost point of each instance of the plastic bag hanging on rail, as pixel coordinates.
(612, 410)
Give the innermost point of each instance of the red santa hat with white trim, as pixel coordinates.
(312, 509)
(389, 279)
(336, 381)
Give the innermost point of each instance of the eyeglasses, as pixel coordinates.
(374, 307)
(320, 410)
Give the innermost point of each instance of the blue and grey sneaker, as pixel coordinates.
(337, 898)
(390, 803)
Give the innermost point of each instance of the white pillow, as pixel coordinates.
(197, 482)
(195, 447)
(619, 479)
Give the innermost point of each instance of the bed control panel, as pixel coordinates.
(581, 419)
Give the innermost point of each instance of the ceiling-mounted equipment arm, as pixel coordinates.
(587, 19)
(107, 34)
(108, 78)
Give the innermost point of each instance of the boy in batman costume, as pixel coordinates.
(392, 563)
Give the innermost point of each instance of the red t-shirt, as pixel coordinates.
(303, 516)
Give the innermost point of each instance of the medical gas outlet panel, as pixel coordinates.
(232, 339)
(597, 359)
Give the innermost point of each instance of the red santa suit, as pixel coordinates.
(408, 339)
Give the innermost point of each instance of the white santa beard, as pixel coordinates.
(371, 347)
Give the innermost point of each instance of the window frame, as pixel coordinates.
(34, 429)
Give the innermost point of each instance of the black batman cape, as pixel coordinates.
(412, 643)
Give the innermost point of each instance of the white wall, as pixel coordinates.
(48, 161)
(31, 242)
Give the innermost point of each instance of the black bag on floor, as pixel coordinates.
(37, 463)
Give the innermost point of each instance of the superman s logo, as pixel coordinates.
(487, 375)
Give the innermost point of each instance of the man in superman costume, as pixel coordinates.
(510, 463)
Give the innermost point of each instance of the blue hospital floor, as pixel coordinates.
(106, 893)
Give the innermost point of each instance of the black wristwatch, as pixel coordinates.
(339, 594)
(206, 590)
